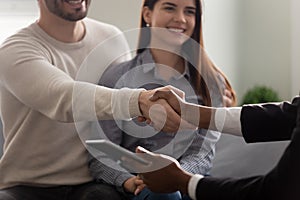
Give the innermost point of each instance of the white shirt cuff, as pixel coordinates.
(227, 120)
(192, 186)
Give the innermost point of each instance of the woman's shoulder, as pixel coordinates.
(114, 72)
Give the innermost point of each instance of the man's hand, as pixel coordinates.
(190, 114)
(158, 112)
(172, 95)
(134, 185)
(168, 178)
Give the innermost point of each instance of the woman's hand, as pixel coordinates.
(228, 99)
(134, 185)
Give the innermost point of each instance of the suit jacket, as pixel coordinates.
(260, 123)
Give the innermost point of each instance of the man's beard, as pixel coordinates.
(55, 7)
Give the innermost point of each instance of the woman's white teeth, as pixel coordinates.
(75, 2)
(176, 30)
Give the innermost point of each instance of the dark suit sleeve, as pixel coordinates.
(281, 183)
(229, 188)
(268, 122)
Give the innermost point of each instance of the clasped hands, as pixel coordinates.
(162, 108)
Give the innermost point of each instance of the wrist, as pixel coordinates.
(190, 113)
(184, 180)
(134, 107)
(141, 101)
(206, 114)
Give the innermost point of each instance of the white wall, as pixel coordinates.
(251, 41)
(265, 46)
(15, 14)
(221, 35)
(122, 13)
(295, 15)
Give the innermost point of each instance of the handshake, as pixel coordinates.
(165, 109)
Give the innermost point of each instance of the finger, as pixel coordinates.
(138, 181)
(160, 94)
(163, 117)
(139, 189)
(177, 91)
(227, 93)
(170, 126)
(140, 149)
(141, 119)
(227, 101)
(158, 115)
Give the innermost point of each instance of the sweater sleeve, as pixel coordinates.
(35, 82)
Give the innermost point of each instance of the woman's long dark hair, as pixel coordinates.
(202, 70)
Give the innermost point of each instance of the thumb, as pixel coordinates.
(177, 91)
(160, 94)
(155, 96)
(140, 149)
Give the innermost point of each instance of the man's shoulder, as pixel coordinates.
(23, 38)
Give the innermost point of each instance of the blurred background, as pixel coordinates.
(255, 42)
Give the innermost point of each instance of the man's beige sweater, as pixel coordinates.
(46, 86)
